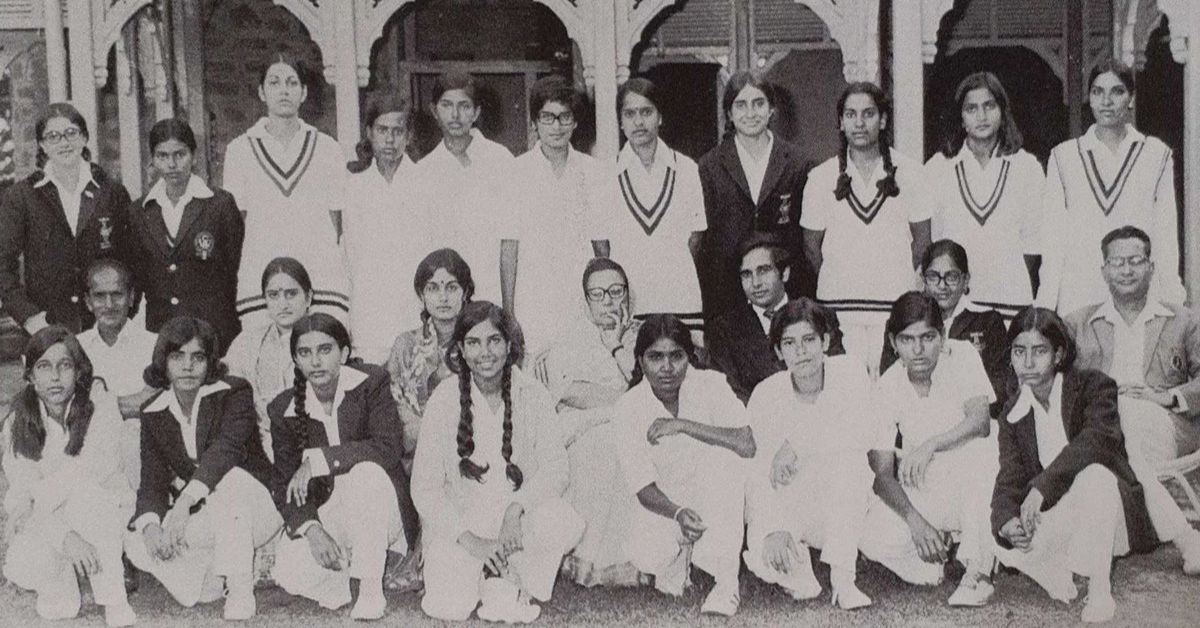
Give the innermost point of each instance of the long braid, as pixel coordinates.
(299, 427)
(511, 470)
(466, 436)
(887, 185)
(842, 191)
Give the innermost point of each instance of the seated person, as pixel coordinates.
(947, 279)
(488, 480)
(937, 485)
(1066, 499)
(810, 485)
(1152, 350)
(587, 372)
(202, 505)
(67, 501)
(737, 340)
(337, 480)
(683, 442)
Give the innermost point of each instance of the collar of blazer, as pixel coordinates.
(775, 166)
(166, 400)
(349, 378)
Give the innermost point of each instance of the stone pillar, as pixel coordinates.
(1191, 156)
(346, 83)
(908, 81)
(83, 77)
(128, 115)
(56, 50)
(605, 93)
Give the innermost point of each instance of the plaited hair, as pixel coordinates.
(1123, 73)
(28, 432)
(473, 314)
(325, 324)
(654, 327)
(453, 263)
(60, 110)
(887, 185)
(291, 267)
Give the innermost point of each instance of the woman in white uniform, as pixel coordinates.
(683, 447)
(488, 480)
(935, 486)
(1111, 176)
(67, 501)
(810, 484)
(987, 193)
(385, 234)
(865, 222)
(290, 181)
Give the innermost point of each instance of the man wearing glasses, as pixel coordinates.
(554, 198)
(1152, 350)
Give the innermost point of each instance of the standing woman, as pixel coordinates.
(987, 195)
(262, 355)
(866, 220)
(384, 234)
(189, 239)
(289, 180)
(1111, 176)
(67, 501)
(337, 480)
(55, 222)
(752, 181)
(488, 480)
(1066, 500)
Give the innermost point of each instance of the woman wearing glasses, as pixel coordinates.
(586, 373)
(947, 279)
(555, 196)
(60, 218)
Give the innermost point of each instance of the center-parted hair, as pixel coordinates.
(328, 325)
(949, 248)
(473, 314)
(381, 103)
(1008, 136)
(453, 263)
(171, 337)
(887, 185)
(28, 432)
(655, 327)
(914, 307)
(289, 266)
(171, 129)
(60, 110)
(1049, 325)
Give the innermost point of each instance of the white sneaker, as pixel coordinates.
(722, 600)
(1189, 546)
(1098, 609)
(524, 610)
(972, 592)
(119, 615)
(848, 597)
(240, 605)
(498, 599)
(370, 605)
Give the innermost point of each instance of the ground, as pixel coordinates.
(1150, 591)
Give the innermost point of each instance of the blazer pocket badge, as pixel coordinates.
(106, 230)
(785, 209)
(205, 243)
(1177, 362)
(977, 340)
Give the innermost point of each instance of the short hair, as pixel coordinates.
(802, 310)
(1123, 73)
(454, 264)
(780, 256)
(643, 87)
(108, 263)
(914, 307)
(289, 266)
(59, 110)
(739, 81)
(553, 88)
(948, 248)
(1049, 325)
(171, 129)
(174, 334)
(654, 328)
(598, 264)
(1124, 233)
(1009, 139)
(453, 80)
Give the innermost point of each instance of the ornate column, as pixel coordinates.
(56, 50)
(83, 73)
(1184, 18)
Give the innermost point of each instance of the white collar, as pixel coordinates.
(1027, 401)
(744, 152)
(477, 138)
(760, 311)
(965, 305)
(628, 158)
(1091, 141)
(877, 172)
(168, 400)
(1108, 311)
(259, 130)
(48, 422)
(348, 379)
(196, 188)
(85, 176)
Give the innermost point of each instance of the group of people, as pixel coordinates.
(611, 372)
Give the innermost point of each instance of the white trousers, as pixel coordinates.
(35, 559)
(237, 517)
(453, 576)
(862, 335)
(824, 506)
(363, 517)
(1080, 534)
(1149, 439)
(131, 451)
(956, 498)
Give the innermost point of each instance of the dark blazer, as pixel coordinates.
(33, 224)
(1089, 407)
(370, 431)
(986, 331)
(226, 437)
(732, 216)
(196, 275)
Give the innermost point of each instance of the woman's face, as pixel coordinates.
(607, 298)
(664, 364)
(63, 142)
(862, 121)
(282, 91)
(486, 351)
(187, 367)
(1110, 100)
(443, 296)
(946, 283)
(1034, 359)
(981, 115)
(286, 300)
(802, 349)
(53, 376)
(640, 119)
(751, 111)
(389, 137)
(173, 162)
(919, 347)
(320, 358)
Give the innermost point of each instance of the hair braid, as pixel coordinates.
(300, 397)
(511, 470)
(466, 437)
(887, 185)
(843, 181)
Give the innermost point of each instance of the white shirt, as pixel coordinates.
(172, 213)
(70, 198)
(1047, 422)
(348, 379)
(761, 313)
(122, 364)
(754, 169)
(1129, 340)
(867, 247)
(57, 435)
(657, 209)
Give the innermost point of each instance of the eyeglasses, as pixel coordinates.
(616, 292)
(1135, 261)
(952, 278)
(54, 137)
(565, 118)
